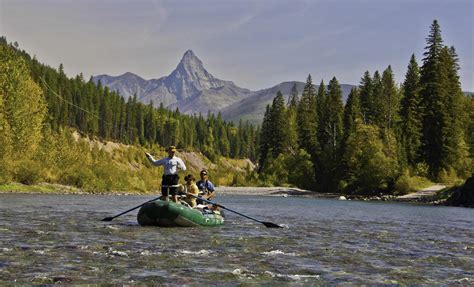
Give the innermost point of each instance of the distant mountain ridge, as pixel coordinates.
(192, 89)
(253, 107)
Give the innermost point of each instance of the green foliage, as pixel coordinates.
(352, 111)
(300, 169)
(443, 138)
(279, 126)
(407, 184)
(28, 172)
(292, 132)
(274, 138)
(22, 107)
(449, 176)
(390, 104)
(411, 114)
(306, 119)
(367, 102)
(371, 167)
(469, 123)
(421, 169)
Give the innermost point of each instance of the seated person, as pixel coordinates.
(206, 188)
(191, 188)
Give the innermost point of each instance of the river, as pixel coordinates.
(48, 239)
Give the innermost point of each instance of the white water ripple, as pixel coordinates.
(279, 252)
(201, 252)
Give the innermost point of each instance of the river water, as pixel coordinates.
(53, 239)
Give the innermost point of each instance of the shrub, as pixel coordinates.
(449, 176)
(407, 184)
(28, 172)
(421, 169)
(5, 172)
(78, 177)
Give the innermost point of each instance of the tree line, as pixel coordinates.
(383, 136)
(54, 129)
(96, 111)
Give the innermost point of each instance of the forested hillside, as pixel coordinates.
(386, 138)
(40, 107)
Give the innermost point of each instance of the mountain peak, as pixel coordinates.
(189, 54)
(190, 77)
(191, 60)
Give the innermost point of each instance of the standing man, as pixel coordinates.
(172, 164)
(206, 188)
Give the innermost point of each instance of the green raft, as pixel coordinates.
(170, 214)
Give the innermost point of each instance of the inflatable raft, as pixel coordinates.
(170, 214)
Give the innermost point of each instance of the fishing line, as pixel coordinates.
(72, 104)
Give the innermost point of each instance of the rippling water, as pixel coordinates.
(46, 239)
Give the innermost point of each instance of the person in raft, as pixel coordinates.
(206, 188)
(191, 189)
(172, 164)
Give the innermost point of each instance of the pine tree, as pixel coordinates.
(293, 99)
(307, 119)
(334, 121)
(352, 112)
(366, 96)
(469, 124)
(265, 139)
(375, 115)
(328, 163)
(391, 100)
(439, 82)
(291, 111)
(279, 126)
(455, 151)
(321, 110)
(352, 116)
(411, 114)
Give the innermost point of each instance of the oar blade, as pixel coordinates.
(271, 225)
(107, 219)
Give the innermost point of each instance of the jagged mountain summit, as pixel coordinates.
(189, 87)
(192, 89)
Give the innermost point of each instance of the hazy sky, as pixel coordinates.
(256, 44)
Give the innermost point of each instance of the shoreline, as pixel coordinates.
(420, 197)
(48, 188)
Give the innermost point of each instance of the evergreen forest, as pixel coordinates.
(386, 138)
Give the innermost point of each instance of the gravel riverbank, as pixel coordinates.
(273, 191)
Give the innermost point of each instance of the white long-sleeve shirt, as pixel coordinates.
(171, 165)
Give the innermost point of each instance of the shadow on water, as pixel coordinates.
(49, 239)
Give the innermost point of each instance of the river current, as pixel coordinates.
(59, 239)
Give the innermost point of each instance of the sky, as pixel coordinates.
(256, 44)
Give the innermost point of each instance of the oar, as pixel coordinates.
(266, 223)
(111, 218)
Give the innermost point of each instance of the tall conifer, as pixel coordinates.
(366, 96)
(307, 119)
(279, 126)
(411, 114)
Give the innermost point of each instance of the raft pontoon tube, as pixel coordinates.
(170, 214)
